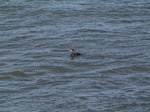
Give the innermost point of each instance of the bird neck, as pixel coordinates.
(72, 51)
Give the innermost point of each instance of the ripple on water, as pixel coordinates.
(37, 73)
(127, 69)
(14, 74)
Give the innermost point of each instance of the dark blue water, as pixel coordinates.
(38, 75)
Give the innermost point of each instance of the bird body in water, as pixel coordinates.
(73, 53)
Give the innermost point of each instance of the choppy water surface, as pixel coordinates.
(37, 74)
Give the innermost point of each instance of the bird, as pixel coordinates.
(73, 53)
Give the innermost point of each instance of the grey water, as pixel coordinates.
(38, 75)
